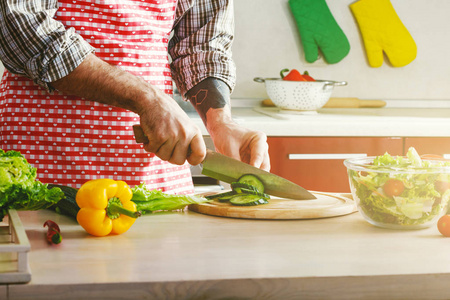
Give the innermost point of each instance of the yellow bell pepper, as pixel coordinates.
(106, 207)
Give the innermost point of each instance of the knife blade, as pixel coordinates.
(227, 169)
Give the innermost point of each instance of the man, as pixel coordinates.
(82, 72)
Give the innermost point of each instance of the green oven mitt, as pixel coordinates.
(319, 29)
(382, 30)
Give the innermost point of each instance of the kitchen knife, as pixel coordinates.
(227, 169)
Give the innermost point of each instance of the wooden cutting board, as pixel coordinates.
(326, 205)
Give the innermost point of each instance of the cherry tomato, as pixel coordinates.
(393, 187)
(444, 225)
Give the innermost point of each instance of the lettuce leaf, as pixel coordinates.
(19, 188)
(154, 200)
(14, 169)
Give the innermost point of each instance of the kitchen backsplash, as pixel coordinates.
(267, 41)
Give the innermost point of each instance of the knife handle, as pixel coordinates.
(139, 135)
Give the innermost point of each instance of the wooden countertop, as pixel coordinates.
(186, 255)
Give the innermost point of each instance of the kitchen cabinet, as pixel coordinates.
(429, 145)
(316, 163)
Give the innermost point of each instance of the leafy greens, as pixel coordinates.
(19, 188)
(422, 199)
(154, 200)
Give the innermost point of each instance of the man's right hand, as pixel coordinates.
(171, 133)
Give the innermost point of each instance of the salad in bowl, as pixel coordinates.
(400, 192)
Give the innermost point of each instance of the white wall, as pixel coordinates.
(267, 41)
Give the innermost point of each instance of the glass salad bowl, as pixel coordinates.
(400, 192)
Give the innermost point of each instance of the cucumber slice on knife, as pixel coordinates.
(247, 200)
(252, 180)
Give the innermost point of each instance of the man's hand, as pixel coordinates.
(172, 134)
(233, 140)
(211, 99)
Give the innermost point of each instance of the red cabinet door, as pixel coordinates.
(316, 163)
(429, 145)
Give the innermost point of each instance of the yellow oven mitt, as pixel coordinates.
(382, 30)
(319, 30)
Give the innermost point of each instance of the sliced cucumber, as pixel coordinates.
(253, 192)
(252, 180)
(227, 198)
(238, 186)
(221, 195)
(247, 200)
(247, 191)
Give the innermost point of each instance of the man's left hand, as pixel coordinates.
(238, 142)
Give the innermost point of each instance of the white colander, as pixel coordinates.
(299, 95)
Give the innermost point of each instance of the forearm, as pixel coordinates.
(211, 99)
(169, 130)
(99, 81)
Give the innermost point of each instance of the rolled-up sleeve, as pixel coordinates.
(35, 45)
(201, 43)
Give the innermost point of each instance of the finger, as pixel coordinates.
(256, 159)
(259, 153)
(266, 163)
(180, 153)
(198, 150)
(165, 152)
(149, 148)
(153, 145)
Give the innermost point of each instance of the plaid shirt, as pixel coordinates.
(35, 45)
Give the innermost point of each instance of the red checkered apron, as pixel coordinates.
(71, 140)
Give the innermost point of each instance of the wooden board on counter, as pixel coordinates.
(14, 248)
(326, 205)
